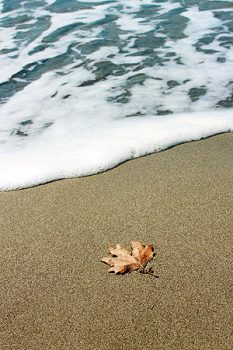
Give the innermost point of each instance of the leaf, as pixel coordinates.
(121, 260)
(142, 253)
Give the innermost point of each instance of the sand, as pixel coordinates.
(55, 294)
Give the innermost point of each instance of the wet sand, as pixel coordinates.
(55, 294)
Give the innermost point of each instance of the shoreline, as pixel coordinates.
(115, 166)
(56, 294)
(129, 139)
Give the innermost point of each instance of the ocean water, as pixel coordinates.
(88, 84)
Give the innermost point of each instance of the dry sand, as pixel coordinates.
(55, 294)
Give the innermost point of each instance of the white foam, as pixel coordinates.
(130, 23)
(168, 6)
(64, 152)
(58, 20)
(58, 127)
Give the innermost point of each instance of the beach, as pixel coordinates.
(56, 294)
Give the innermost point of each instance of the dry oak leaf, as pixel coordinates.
(123, 261)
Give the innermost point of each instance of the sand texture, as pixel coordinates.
(55, 294)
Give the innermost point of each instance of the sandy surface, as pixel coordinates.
(55, 294)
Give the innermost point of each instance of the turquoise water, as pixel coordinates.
(75, 73)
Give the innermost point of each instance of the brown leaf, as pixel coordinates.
(142, 253)
(121, 260)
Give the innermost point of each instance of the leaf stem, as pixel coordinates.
(146, 272)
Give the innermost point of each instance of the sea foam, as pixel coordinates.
(87, 85)
(65, 151)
